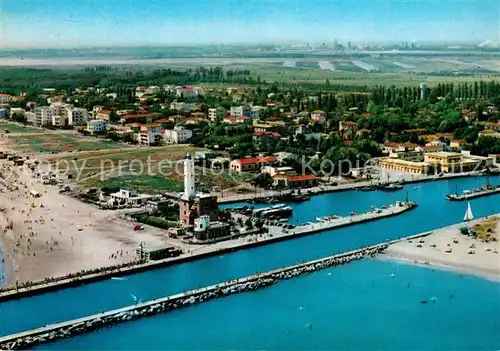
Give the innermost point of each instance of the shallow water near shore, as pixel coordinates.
(434, 211)
(359, 306)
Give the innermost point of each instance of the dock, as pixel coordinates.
(392, 210)
(474, 194)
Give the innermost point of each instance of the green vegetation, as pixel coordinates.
(62, 142)
(156, 221)
(14, 128)
(143, 183)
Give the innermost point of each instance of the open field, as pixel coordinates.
(302, 66)
(15, 128)
(149, 170)
(384, 71)
(60, 142)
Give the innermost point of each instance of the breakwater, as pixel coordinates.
(53, 332)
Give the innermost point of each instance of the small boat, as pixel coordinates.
(468, 213)
(392, 187)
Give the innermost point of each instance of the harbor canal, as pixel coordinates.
(434, 211)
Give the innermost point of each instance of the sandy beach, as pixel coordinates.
(55, 234)
(447, 248)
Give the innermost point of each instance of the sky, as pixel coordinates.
(84, 23)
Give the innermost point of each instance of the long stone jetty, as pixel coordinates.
(31, 338)
(54, 332)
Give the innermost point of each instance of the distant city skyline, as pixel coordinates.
(88, 23)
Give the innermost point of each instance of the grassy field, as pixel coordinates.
(432, 69)
(150, 170)
(15, 128)
(55, 142)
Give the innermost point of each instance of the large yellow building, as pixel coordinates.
(446, 162)
(451, 162)
(397, 165)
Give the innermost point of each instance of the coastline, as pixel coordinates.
(444, 266)
(447, 249)
(8, 262)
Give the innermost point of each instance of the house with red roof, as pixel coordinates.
(235, 120)
(249, 164)
(347, 129)
(415, 131)
(295, 181)
(488, 133)
(493, 126)
(363, 132)
(318, 116)
(260, 136)
(138, 117)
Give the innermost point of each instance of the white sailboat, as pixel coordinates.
(468, 214)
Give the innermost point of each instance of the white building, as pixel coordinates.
(77, 116)
(129, 197)
(239, 111)
(150, 134)
(30, 117)
(178, 135)
(256, 111)
(43, 115)
(186, 92)
(59, 121)
(154, 89)
(96, 126)
(216, 112)
(17, 111)
(62, 109)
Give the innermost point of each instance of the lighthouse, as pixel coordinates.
(189, 186)
(191, 204)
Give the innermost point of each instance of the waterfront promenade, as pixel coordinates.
(321, 189)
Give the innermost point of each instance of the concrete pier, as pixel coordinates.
(277, 235)
(391, 210)
(53, 332)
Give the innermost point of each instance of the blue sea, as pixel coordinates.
(434, 211)
(359, 306)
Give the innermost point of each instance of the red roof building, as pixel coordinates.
(248, 164)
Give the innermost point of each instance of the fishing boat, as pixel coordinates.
(392, 187)
(468, 214)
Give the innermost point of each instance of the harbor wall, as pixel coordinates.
(141, 267)
(54, 332)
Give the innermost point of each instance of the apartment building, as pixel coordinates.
(59, 121)
(96, 126)
(149, 134)
(178, 135)
(77, 116)
(240, 111)
(216, 112)
(43, 115)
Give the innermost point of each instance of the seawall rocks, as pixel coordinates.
(31, 338)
